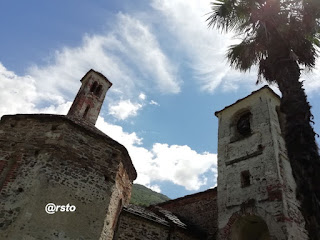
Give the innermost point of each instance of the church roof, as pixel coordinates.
(100, 74)
(156, 214)
(252, 93)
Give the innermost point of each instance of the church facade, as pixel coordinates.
(65, 160)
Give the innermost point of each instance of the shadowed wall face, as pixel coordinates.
(250, 228)
(50, 159)
(199, 209)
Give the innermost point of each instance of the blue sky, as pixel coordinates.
(168, 70)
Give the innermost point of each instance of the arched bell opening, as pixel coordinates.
(250, 228)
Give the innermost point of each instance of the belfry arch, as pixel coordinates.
(250, 228)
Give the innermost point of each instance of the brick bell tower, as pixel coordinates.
(87, 104)
(256, 189)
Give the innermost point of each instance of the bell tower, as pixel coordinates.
(256, 189)
(87, 104)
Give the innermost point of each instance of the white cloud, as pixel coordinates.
(155, 188)
(19, 94)
(312, 83)
(181, 165)
(116, 132)
(62, 108)
(142, 96)
(124, 109)
(178, 164)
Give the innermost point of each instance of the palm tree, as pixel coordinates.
(281, 36)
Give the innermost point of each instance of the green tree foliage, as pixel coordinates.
(281, 37)
(144, 196)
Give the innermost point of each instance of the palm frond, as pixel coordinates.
(226, 15)
(246, 54)
(266, 71)
(272, 32)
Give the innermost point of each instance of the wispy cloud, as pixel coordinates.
(143, 49)
(152, 102)
(205, 48)
(129, 55)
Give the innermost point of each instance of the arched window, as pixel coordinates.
(98, 90)
(93, 87)
(243, 124)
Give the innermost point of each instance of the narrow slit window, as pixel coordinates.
(86, 112)
(245, 179)
(98, 91)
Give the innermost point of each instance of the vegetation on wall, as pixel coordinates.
(144, 196)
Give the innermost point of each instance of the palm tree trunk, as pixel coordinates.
(301, 145)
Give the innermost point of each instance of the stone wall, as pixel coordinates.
(198, 209)
(254, 174)
(135, 227)
(120, 197)
(51, 159)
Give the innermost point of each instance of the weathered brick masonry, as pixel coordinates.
(199, 209)
(153, 223)
(50, 158)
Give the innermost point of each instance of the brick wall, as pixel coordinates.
(199, 209)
